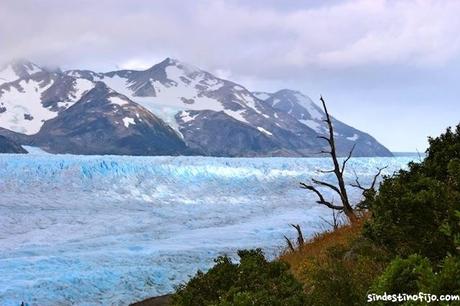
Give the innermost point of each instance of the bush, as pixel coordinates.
(415, 274)
(253, 281)
(411, 276)
(447, 281)
(343, 277)
(441, 152)
(413, 209)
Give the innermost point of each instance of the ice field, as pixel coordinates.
(108, 230)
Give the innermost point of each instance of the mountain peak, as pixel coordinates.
(25, 66)
(16, 69)
(293, 95)
(169, 61)
(286, 91)
(100, 90)
(172, 61)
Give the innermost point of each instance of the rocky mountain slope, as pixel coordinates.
(9, 146)
(188, 109)
(308, 113)
(106, 122)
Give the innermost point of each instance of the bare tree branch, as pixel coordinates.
(289, 243)
(320, 196)
(327, 185)
(357, 184)
(376, 176)
(338, 171)
(347, 159)
(300, 239)
(325, 138)
(335, 221)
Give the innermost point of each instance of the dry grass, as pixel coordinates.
(315, 250)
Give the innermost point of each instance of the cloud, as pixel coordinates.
(417, 33)
(139, 63)
(386, 59)
(248, 39)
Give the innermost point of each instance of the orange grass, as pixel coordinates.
(315, 249)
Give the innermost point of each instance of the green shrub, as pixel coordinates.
(415, 275)
(413, 209)
(343, 277)
(447, 281)
(252, 281)
(442, 150)
(410, 276)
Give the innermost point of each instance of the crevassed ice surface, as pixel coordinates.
(107, 230)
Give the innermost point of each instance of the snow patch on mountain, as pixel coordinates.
(167, 102)
(24, 111)
(118, 101)
(16, 70)
(312, 108)
(186, 117)
(127, 121)
(82, 86)
(29, 101)
(185, 88)
(354, 137)
(8, 75)
(238, 115)
(317, 126)
(264, 131)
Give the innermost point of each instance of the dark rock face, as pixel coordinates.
(217, 134)
(105, 122)
(9, 146)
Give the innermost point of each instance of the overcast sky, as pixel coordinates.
(390, 68)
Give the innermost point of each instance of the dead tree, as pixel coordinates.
(289, 243)
(300, 239)
(338, 170)
(369, 192)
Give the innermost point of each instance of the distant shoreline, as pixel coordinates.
(402, 154)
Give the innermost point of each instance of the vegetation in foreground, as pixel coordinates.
(407, 242)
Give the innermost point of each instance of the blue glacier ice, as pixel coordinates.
(110, 230)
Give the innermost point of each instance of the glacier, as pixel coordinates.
(111, 230)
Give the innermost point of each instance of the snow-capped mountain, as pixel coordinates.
(16, 70)
(34, 95)
(212, 116)
(308, 113)
(106, 122)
